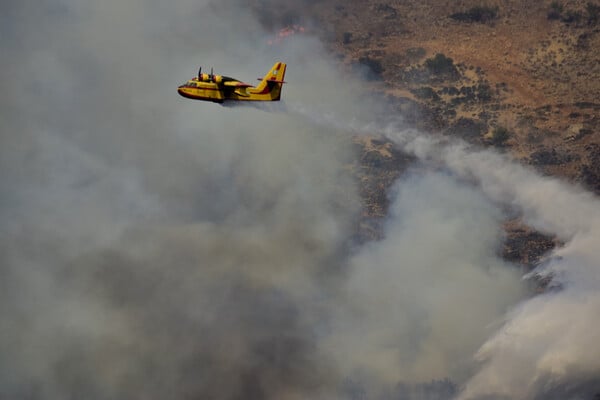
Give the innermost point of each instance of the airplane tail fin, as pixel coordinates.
(273, 81)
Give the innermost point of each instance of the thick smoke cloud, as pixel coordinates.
(156, 247)
(427, 294)
(545, 348)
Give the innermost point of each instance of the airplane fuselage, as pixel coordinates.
(217, 88)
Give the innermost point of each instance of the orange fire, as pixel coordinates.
(286, 32)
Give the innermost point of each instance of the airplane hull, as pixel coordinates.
(202, 91)
(219, 96)
(219, 89)
(201, 96)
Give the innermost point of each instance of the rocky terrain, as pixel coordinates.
(521, 76)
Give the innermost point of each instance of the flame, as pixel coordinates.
(283, 33)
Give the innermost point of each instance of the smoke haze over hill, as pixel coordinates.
(156, 247)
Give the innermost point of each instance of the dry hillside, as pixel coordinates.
(519, 75)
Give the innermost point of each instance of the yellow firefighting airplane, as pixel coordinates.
(218, 88)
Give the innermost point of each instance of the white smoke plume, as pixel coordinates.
(545, 348)
(156, 247)
(423, 297)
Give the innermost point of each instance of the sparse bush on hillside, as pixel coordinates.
(467, 128)
(374, 67)
(441, 65)
(556, 9)
(553, 15)
(557, 6)
(484, 92)
(426, 92)
(347, 37)
(415, 53)
(480, 14)
(500, 135)
(390, 11)
(551, 157)
(593, 11)
(572, 16)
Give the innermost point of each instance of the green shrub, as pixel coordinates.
(484, 92)
(553, 15)
(426, 92)
(572, 17)
(557, 6)
(480, 14)
(556, 9)
(500, 135)
(440, 65)
(593, 11)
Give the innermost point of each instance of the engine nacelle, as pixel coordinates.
(210, 78)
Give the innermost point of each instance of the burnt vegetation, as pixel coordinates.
(590, 171)
(500, 135)
(371, 67)
(550, 157)
(525, 246)
(589, 16)
(481, 14)
(467, 129)
(441, 65)
(425, 92)
(386, 10)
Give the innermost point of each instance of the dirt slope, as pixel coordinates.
(520, 75)
(532, 68)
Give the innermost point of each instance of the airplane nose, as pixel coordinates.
(181, 91)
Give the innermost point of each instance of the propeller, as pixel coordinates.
(206, 77)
